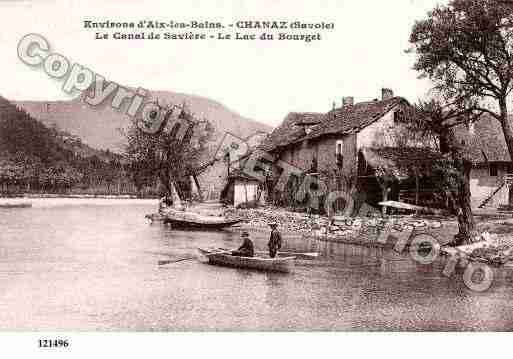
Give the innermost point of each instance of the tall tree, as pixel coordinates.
(165, 156)
(466, 49)
(435, 121)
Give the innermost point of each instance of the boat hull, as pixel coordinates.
(177, 223)
(283, 265)
(16, 205)
(187, 220)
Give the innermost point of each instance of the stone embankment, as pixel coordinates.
(359, 230)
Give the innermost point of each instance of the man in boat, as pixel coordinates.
(165, 203)
(246, 249)
(275, 240)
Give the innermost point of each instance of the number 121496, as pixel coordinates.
(53, 343)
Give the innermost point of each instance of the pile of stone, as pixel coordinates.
(352, 225)
(490, 248)
(287, 221)
(331, 228)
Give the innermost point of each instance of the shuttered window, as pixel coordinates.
(339, 152)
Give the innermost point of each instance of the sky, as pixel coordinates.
(257, 79)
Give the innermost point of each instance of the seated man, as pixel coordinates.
(165, 204)
(246, 249)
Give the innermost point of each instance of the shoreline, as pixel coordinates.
(57, 201)
(361, 231)
(57, 195)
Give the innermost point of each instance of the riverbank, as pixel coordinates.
(365, 231)
(55, 201)
(71, 195)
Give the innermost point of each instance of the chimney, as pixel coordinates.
(347, 101)
(386, 94)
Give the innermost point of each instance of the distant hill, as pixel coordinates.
(21, 132)
(41, 159)
(101, 127)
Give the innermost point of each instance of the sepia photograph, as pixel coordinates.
(255, 166)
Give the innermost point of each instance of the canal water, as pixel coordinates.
(82, 265)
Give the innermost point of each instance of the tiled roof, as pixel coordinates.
(402, 162)
(290, 130)
(341, 120)
(355, 117)
(486, 143)
(406, 155)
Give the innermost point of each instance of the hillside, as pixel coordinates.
(37, 158)
(21, 134)
(100, 127)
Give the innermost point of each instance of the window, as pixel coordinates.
(493, 170)
(339, 153)
(398, 117)
(401, 116)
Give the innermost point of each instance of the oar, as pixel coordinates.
(306, 256)
(161, 263)
(298, 255)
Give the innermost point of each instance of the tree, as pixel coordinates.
(435, 121)
(466, 49)
(164, 156)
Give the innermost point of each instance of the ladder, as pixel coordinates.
(506, 181)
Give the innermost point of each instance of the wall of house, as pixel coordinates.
(327, 158)
(372, 133)
(245, 191)
(482, 185)
(299, 155)
(383, 132)
(324, 150)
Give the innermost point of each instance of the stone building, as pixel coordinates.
(334, 146)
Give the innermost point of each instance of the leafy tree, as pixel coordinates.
(435, 120)
(164, 156)
(466, 49)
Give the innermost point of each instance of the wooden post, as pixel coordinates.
(385, 190)
(198, 188)
(417, 189)
(177, 201)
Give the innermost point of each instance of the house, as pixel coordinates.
(346, 147)
(483, 141)
(240, 188)
(243, 190)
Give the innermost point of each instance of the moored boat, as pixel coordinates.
(15, 203)
(192, 220)
(224, 258)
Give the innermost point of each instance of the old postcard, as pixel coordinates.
(276, 165)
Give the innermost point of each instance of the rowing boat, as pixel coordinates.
(191, 220)
(224, 258)
(298, 255)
